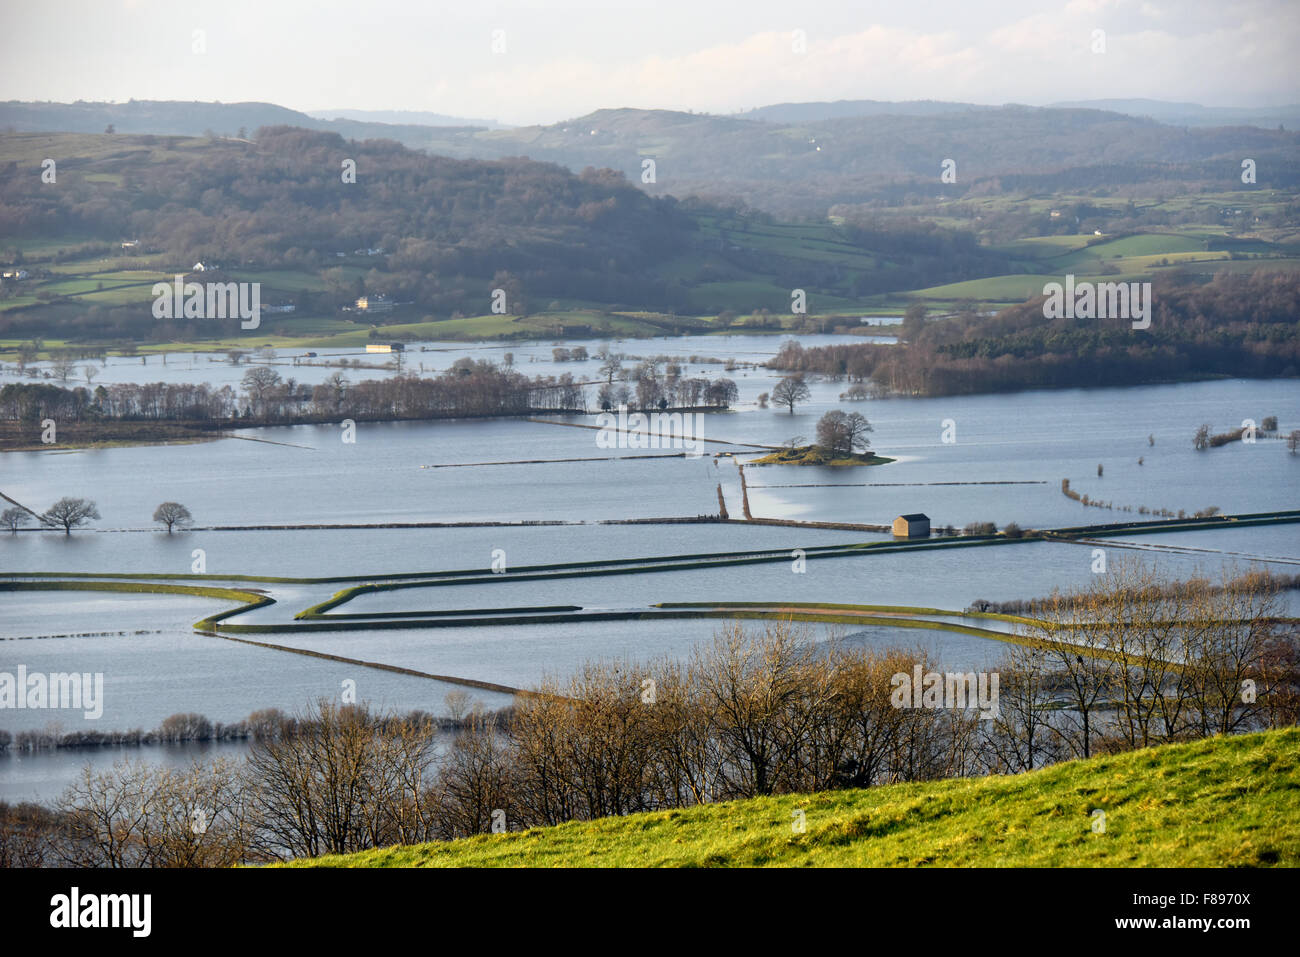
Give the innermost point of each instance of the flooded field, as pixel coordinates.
(970, 459)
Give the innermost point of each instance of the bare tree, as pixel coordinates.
(70, 513)
(259, 383)
(1279, 678)
(914, 321)
(612, 366)
(1142, 636)
(474, 780)
(340, 779)
(748, 681)
(841, 434)
(1072, 640)
(1229, 630)
(1175, 658)
(29, 834)
(864, 731)
(14, 519)
(791, 390)
(172, 514)
(63, 367)
(1020, 736)
(686, 753)
(332, 392)
(140, 815)
(312, 782)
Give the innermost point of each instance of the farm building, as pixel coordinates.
(915, 525)
(385, 347)
(374, 304)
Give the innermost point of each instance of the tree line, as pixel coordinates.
(1233, 324)
(759, 710)
(469, 388)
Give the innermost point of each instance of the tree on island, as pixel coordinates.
(790, 390)
(14, 519)
(841, 434)
(69, 513)
(172, 514)
(1201, 441)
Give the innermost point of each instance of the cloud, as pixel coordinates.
(1041, 57)
(684, 55)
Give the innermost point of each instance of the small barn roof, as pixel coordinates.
(916, 517)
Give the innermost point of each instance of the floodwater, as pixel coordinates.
(964, 459)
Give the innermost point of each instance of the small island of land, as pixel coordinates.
(816, 455)
(841, 440)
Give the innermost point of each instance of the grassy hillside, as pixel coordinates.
(1224, 802)
(434, 235)
(134, 210)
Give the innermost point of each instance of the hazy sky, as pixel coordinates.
(563, 59)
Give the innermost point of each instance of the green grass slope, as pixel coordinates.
(1223, 802)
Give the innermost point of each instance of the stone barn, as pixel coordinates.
(915, 525)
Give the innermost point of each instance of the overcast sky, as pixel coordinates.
(564, 59)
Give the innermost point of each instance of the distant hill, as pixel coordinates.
(170, 117)
(1163, 111)
(842, 109)
(890, 159)
(1193, 114)
(790, 159)
(404, 118)
(433, 233)
(176, 118)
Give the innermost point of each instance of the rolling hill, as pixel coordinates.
(789, 159)
(1172, 806)
(434, 234)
